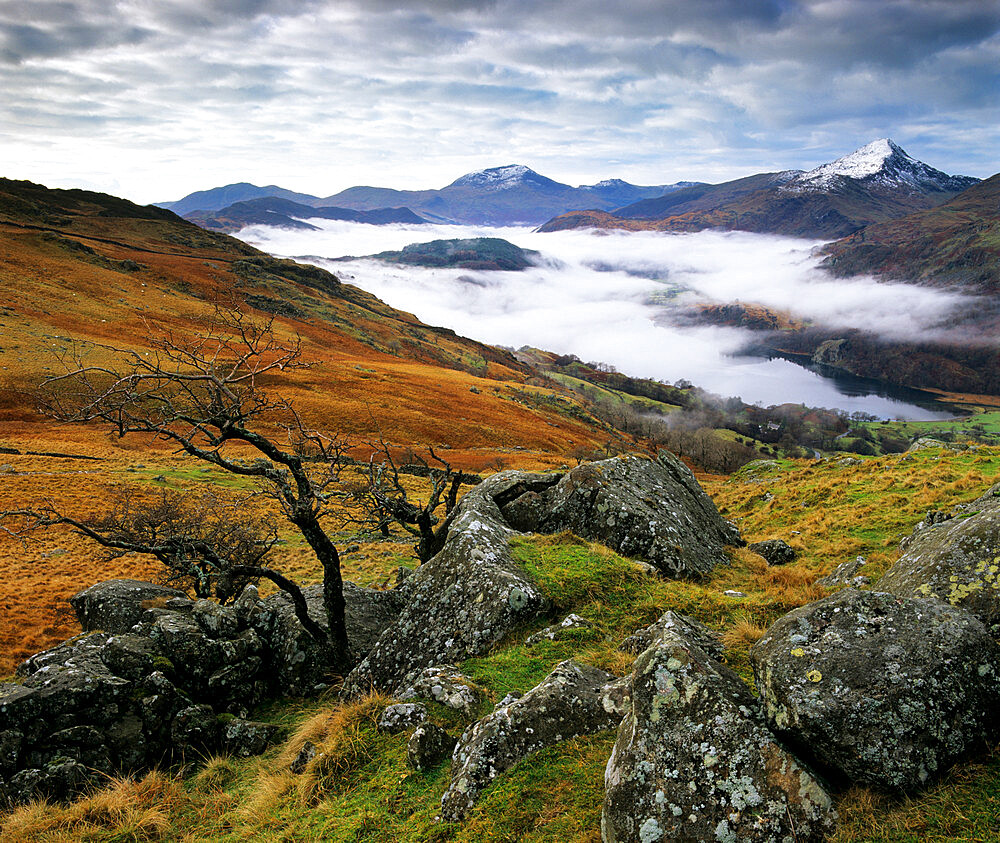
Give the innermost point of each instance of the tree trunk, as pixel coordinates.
(333, 589)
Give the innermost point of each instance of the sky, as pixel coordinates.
(153, 99)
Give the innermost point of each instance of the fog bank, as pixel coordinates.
(611, 297)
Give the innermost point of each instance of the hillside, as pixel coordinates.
(484, 253)
(81, 269)
(284, 213)
(877, 182)
(956, 244)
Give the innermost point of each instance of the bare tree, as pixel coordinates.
(386, 500)
(207, 397)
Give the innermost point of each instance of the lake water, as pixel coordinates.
(612, 297)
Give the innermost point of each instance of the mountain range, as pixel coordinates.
(285, 213)
(876, 183)
(509, 195)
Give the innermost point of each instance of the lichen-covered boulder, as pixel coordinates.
(427, 746)
(774, 551)
(958, 561)
(684, 626)
(651, 509)
(694, 760)
(117, 605)
(572, 700)
(879, 689)
(299, 663)
(461, 603)
(445, 684)
(400, 717)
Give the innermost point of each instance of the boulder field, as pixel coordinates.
(887, 686)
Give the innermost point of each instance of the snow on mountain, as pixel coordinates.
(883, 163)
(500, 178)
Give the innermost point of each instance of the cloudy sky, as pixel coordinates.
(152, 99)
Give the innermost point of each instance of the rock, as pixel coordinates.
(847, 573)
(926, 442)
(195, 728)
(774, 551)
(737, 594)
(957, 561)
(688, 628)
(117, 605)
(879, 689)
(133, 656)
(215, 620)
(462, 602)
(401, 716)
(559, 630)
(653, 510)
(244, 738)
(427, 746)
(694, 759)
(447, 685)
(299, 662)
(572, 700)
(306, 754)
(60, 779)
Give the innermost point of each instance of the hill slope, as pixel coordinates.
(956, 244)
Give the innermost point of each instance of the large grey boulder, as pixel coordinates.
(878, 689)
(694, 760)
(300, 663)
(462, 602)
(117, 605)
(956, 560)
(572, 700)
(650, 509)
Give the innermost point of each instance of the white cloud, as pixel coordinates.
(180, 95)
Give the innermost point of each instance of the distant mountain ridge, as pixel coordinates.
(284, 213)
(510, 195)
(876, 183)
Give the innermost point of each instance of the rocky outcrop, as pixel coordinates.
(117, 605)
(846, 573)
(401, 717)
(774, 551)
(956, 560)
(651, 509)
(694, 759)
(462, 601)
(572, 700)
(879, 689)
(179, 679)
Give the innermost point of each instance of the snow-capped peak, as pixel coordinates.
(881, 162)
(497, 178)
(861, 163)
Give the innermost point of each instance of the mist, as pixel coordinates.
(616, 297)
